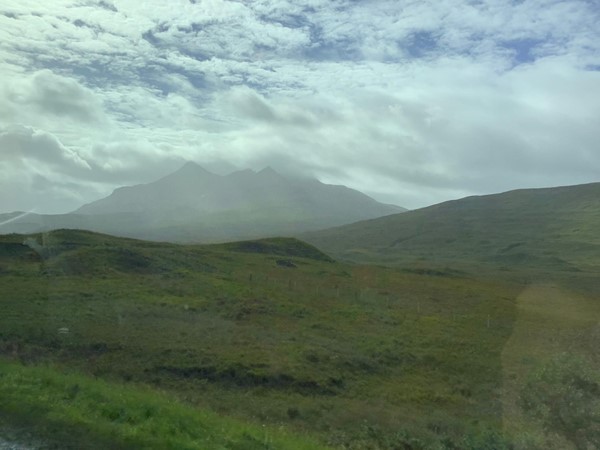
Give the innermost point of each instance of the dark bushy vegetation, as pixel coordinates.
(564, 394)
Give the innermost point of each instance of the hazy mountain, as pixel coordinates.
(557, 227)
(193, 204)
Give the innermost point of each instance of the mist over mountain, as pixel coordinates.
(544, 228)
(193, 204)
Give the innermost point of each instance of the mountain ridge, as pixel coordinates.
(195, 205)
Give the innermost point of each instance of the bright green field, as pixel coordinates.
(270, 333)
(73, 411)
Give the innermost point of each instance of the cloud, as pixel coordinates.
(458, 129)
(46, 100)
(64, 97)
(413, 102)
(34, 188)
(34, 146)
(37, 172)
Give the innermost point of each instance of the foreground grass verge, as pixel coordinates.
(73, 411)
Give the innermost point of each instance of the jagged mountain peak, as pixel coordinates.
(193, 203)
(268, 171)
(192, 168)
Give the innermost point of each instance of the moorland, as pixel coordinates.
(272, 343)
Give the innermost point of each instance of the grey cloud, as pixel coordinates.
(251, 105)
(23, 188)
(62, 96)
(25, 143)
(128, 162)
(246, 104)
(37, 172)
(47, 94)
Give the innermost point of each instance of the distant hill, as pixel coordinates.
(194, 205)
(552, 227)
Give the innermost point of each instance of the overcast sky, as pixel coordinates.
(413, 102)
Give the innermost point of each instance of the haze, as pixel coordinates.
(410, 103)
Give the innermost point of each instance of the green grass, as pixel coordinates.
(73, 411)
(355, 356)
(539, 230)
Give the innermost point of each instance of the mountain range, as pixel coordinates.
(195, 205)
(548, 228)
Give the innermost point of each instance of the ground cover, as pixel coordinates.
(275, 333)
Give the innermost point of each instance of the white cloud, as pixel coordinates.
(412, 101)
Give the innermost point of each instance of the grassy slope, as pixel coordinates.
(552, 229)
(272, 332)
(73, 411)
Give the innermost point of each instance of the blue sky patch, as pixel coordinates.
(420, 44)
(523, 49)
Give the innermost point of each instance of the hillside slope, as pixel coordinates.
(552, 227)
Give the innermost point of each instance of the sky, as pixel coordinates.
(412, 102)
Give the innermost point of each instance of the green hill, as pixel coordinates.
(547, 229)
(278, 246)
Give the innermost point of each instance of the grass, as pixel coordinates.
(74, 411)
(550, 321)
(545, 230)
(352, 356)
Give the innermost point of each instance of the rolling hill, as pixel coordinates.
(194, 205)
(107, 339)
(553, 228)
(269, 331)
